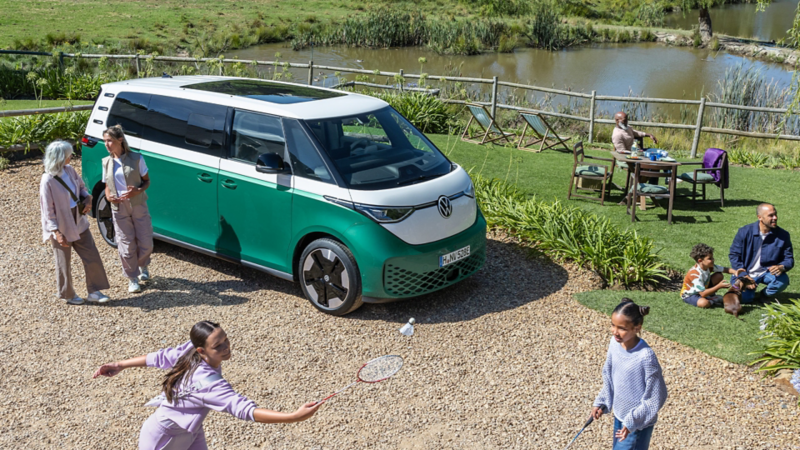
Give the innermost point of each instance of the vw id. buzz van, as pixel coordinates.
(336, 191)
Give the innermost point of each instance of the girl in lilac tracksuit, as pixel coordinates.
(192, 386)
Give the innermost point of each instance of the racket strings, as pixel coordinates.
(380, 368)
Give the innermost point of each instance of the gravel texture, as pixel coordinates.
(505, 359)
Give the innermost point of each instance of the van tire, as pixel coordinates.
(325, 268)
(105, 220)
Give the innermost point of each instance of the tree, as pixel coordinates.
(704, 19)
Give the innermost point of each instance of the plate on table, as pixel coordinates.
(633, 157)
(667, 159)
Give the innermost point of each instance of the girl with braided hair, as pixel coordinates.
(633, 384)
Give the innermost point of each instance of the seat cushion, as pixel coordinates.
(646, 188)
(591, 171)
(701, 176)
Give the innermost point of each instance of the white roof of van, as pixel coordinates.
(344, 104)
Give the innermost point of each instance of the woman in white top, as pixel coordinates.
(64, 201)
(126, 176)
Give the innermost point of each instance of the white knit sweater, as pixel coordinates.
(633, 385)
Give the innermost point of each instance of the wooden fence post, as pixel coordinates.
(401, 80)
(591, 116)
(494, 97)
(137, 65)
(696, 140)
(310, 72)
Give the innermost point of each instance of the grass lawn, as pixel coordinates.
(163, 20)
(546, 175)
(8, 105)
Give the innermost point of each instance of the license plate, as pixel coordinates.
(452, 257)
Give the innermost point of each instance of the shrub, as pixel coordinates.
(4, 162)
(714, 44)
(544, 30)
(620, 256)
(27, 130)
(780, 329)
(425, 112)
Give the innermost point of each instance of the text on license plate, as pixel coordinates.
(452, 257)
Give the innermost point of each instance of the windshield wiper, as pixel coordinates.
(418, 179)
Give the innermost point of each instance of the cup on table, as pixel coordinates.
(653, 157)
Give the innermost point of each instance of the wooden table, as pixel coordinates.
(646, 163)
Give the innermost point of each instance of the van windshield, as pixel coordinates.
(379, 150)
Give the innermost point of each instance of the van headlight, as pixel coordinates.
(385, 214)
(470, 191)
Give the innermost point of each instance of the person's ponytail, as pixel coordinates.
(185, 366)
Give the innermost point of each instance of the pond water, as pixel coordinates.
(742, 20)
(649, 69)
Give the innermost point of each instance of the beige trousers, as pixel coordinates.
(134, 235)
(96, 279)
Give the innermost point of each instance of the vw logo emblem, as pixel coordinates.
(445, 207)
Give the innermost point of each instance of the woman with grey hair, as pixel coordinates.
(64, 202)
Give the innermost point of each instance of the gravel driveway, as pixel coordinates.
(506, 359)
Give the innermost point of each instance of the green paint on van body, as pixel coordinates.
(264, 223)
(255, 218)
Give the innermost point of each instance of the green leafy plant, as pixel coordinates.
(780, 330)
(620, 256)
(424, 111)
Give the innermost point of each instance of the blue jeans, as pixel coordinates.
(637, 440)
(774, 285)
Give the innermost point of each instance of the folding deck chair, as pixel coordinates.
(542, 131)
(491, 130)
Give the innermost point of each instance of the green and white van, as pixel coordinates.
(334, 190)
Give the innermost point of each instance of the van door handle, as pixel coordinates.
(229, 184)
(205, 177)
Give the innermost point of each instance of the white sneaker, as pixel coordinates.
(145, 274)
(75, 301)
(133, 286)
(97, 297)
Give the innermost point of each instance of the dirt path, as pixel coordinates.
(506, 359)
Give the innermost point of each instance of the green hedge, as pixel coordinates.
(26, 130)
(567, 232)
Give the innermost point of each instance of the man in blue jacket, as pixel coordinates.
(765, 251)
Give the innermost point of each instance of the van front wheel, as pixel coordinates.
(329, 276)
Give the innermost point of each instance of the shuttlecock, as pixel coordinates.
(408, 329)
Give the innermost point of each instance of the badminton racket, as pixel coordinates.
(591, 419)
(374, 371)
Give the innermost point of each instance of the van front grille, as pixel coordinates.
(405, 281)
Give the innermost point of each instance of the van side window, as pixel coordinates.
(130, 111)
(305, 158)
(255, 134)
(186, 124)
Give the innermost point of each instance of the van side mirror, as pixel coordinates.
(270, 163)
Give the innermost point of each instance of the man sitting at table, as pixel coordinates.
(623, 135)
(765, 251)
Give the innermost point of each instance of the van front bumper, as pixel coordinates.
(412, 271)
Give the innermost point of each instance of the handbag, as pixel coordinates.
(81, 206)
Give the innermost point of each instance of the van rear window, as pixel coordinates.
(130, 111)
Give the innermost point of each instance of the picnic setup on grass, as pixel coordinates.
(642, 168)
